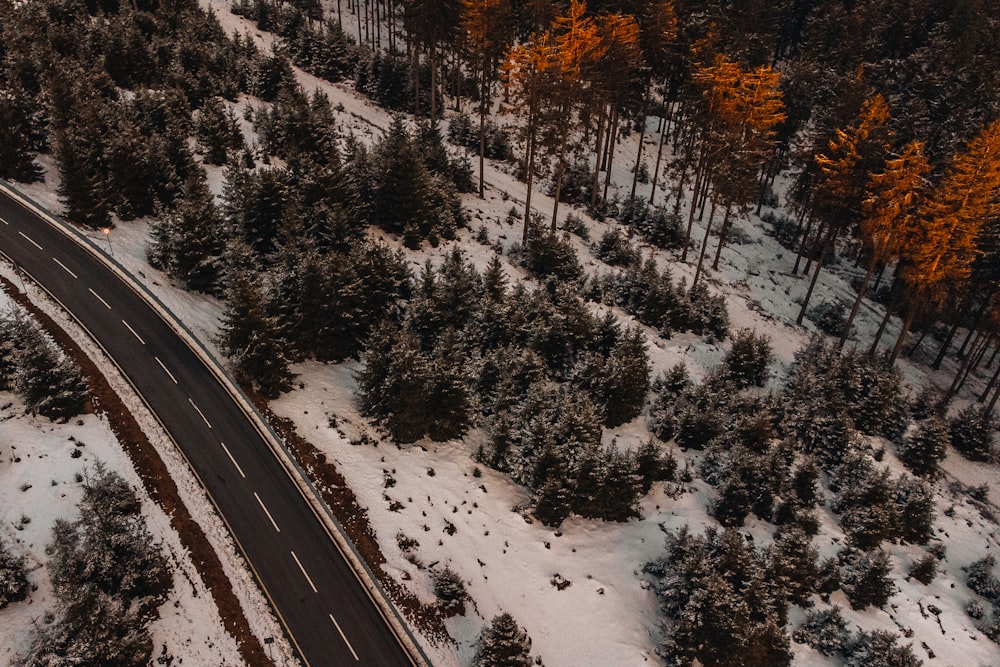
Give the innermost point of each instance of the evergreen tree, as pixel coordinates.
(972, 433)
(748, 359)
(249, 336)
(217, 131)
(866, 577)
(625, 379)
(450, 591)
(879, 649)
(923, 450)
(503, 644)
(49, 383)
(825, 631)
(13, 577)
(188, 242)
(16, 145)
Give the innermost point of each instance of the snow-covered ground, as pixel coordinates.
(466, 516)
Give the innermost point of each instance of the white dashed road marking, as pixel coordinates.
(64, 267)
(30, 240)
(270, 518)
(207, 423)
(230, 455)
(138, 337)
(106, 304)
(166, 370)
(304, 573)
(342, 636)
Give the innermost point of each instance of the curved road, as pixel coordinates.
(319, 599)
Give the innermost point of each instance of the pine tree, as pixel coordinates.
(973, 433)
(844, 170)
(49, 383)
(866, 577)
(16, 146)
(747, 361)
(13, 577)
(188, 242)
(625, 381)
(217, 131)
(450, 591)
(926, 447)
(503, 644)
(890, 214)
(944, 246)
(249, 336)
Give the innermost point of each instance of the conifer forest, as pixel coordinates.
(707, 291)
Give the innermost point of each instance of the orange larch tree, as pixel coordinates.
(945, 245)
(853, 154)
(529, 74)
(890, 215)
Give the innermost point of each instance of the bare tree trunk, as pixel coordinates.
(560, 171)
(989, 388)
(529, 162)
(727, 223)
(910, 314)
(953, 389)
(482, 131)
(597, 157)
(642, 136)
(881, 329)
(944, 346)
(819, 267)
(704, 244)
(862, 290)
(659, 155)
(433, 63)
(699, 179)
(612, 140)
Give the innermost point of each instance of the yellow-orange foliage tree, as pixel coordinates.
(743, 108)
(529, 74)
(890, 215)
(941, 251)
(844, 169)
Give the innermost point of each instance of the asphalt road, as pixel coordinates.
(325, 609)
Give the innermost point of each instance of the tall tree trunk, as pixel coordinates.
(482, 132)
(704, 244)
(596, 184)
(699, 179)
(975, 359)
(560, 171)
(613, 139)
(831, 232)
(989, 388)
(804, 243)
(642, 136)
(433, 63)
(415, 59)
(881, 329)
(911, 312)
(659, 155)
(727, 223)
(979, 317)
(963, 369)
(944, 346)
(529, 165)
(862, 290)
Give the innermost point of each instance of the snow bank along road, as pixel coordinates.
(326, 610)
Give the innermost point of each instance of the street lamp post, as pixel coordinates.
(107, 235)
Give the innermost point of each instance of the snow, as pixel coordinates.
(607, 615)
